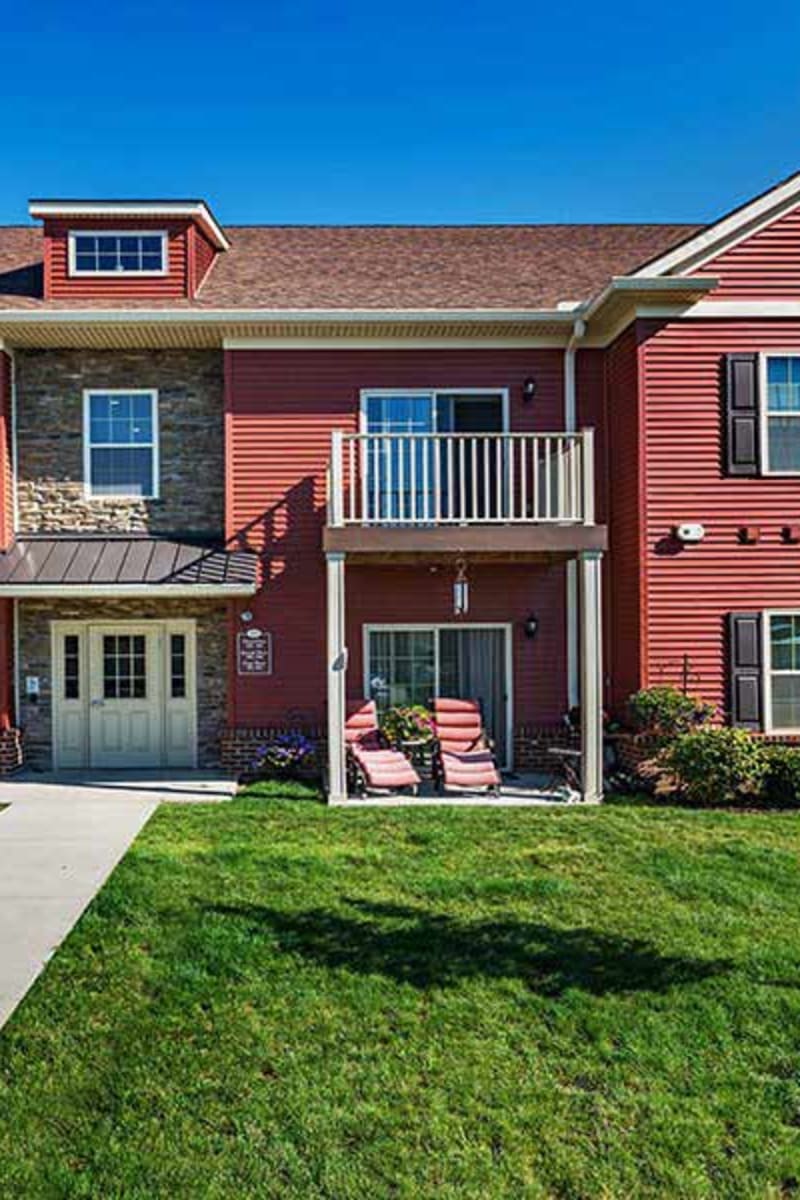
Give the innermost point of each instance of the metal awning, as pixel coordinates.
(124, 565)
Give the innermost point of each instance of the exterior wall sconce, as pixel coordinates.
(749, 535)
(461, 589)
(791, 534)
(528, 389)
(531, 626)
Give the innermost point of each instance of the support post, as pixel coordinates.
(591, 630)
(337, 671)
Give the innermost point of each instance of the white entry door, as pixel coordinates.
(126, 717)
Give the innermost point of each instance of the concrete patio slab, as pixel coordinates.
(60, 839)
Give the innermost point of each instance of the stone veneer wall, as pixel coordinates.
(35, 659)
(50, 491)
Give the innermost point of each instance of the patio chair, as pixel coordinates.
(371, 763)
(463, 756)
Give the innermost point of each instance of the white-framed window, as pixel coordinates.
(126, 252)
(120, 435)
(780, 414)
(782, 671)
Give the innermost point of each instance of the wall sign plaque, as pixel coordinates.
(254, 652)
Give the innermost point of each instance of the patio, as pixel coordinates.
(518, 790)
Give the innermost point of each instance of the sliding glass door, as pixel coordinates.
(412, 665)
(403, 473)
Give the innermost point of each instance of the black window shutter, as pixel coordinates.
(741, 414)
(745, 670)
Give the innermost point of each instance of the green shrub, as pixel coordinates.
(713, 766)
(783, 776)
(666, 712)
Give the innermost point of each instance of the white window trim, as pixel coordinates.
(766, 654)
(502, 393)
(87, 445)
(75, 273)
(507, 760)
(764, 414)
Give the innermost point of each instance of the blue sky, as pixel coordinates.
(431, 112)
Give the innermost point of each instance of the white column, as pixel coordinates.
(337, 670)
(591, 631)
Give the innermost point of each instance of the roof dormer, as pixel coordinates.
(132, 249)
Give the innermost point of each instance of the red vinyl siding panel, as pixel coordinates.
(691, 588)
(60, 285)
(765, 265)
(281, 408)
(6, 457)
(625, 590)
(203, 255)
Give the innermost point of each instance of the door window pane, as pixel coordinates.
(402, 667)
(72, 666)
(177, 664)
(124, 667)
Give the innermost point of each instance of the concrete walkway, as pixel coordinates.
(60, 839)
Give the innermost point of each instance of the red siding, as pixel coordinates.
(59, 285)
(281, 409)
(6, 462)
(504, 594)
(625, 590)
(691, 589)
(203, 255)
(765, 265)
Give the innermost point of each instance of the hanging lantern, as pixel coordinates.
(461, 589)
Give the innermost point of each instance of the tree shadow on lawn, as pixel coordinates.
(413, 946)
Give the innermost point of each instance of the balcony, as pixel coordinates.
(477, 491)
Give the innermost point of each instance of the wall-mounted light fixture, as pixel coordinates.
(246, 616)
(528, 389)
(531, 626)
(461, 589)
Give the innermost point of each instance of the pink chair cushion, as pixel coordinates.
(459, 725)
(385, 768)
(382, 767)
(473, 770)
(362, 722)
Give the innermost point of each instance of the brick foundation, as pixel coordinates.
(532, 745)
(10, 751)
(239, 744)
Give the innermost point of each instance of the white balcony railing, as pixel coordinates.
(461, 478)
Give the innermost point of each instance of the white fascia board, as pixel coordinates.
(216, 316)
(152, 590)
(637, 286)
(727, 231)
(195, 211)
(706, 309)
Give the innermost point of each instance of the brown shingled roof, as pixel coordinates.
(383, 267)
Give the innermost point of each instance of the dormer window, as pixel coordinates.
(124, 253)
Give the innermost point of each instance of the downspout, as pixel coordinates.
(570, 426)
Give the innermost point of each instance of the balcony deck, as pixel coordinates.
(399, 497)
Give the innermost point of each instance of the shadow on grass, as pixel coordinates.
(425, 950)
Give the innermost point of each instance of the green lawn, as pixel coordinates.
(274, 999)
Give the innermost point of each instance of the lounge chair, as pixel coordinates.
(463, 755)
(371, 764)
